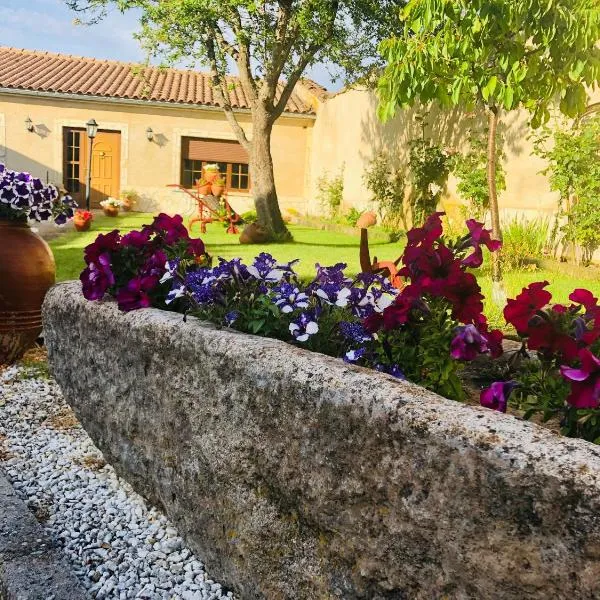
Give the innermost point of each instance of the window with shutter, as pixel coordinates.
(231, 157)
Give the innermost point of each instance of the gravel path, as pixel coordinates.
(119, 547)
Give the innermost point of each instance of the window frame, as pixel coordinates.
(228, 174)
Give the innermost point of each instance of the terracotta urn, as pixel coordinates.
(27, 272)
(111, 211)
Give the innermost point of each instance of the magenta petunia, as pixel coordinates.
(97, 278)
(468, 343)
(136, 294)
(496, 396)
(519, 311)
(585, 381)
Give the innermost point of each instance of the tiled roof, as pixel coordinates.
(61, 73)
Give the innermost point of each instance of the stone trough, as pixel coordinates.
(294, 475)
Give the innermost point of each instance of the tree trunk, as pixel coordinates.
(498, 293)
(492, 193)
(263, 180)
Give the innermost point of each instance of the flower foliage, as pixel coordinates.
(130, 267)
(25, 197)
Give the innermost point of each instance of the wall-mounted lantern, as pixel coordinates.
(149, 134)
(29, 124)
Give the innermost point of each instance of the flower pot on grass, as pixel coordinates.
(82, 220)
(111, 207)
(129, 199)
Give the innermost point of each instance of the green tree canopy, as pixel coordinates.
(269, 45)
(498, 54)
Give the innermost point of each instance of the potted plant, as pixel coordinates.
(218, 187)
(27, 267)
(204, 187)
(82, 220)
(111, 207)
(211, 172)
(129, 199)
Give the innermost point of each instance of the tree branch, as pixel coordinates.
(219, 85)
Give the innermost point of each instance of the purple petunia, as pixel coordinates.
(304, 326)
(354, 332)
(468, 343)
(289, 298)
(496, 396)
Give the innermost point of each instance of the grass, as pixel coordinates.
(312, 246)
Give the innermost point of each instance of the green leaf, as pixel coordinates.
(509, 96)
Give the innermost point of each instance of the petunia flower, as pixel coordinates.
(393, 370)
(496, 396)
(288, 297)
(468, 343)
(136, 294)
(519, 311)
(304, 326)
(97, 277)
(585, 381)
(354, 355)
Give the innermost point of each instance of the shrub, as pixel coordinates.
(574, 171)
(386, 184)
(331, 192)
(249, 216)
(352, 216)
(524, 240)
(429, 166)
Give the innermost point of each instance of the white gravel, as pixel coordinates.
(119, 546)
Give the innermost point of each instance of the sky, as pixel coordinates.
(49, 25)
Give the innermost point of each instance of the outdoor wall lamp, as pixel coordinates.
(29, 124)
(149, 134)
(92, 129)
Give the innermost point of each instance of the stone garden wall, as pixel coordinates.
(297, 476)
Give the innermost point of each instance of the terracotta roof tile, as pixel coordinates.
(59, 73)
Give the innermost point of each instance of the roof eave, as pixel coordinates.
(139, 102)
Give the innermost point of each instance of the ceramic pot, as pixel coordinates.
(205, 190)
(111, 211)
(210, 176)
(367, 219)
(217, 190)
(81, 224)
(27, 272)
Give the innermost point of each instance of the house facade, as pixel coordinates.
(156, 127)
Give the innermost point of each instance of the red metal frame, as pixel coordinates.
(207, 214)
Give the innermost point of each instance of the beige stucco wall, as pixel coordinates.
(347, 133)
(146, 166)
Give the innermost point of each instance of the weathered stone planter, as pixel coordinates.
(297, 476)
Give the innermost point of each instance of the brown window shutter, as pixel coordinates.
(227, 151)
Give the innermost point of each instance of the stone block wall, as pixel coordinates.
(294, 475)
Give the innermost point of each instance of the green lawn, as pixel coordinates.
(311, 246)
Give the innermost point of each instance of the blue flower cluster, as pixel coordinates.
(22, 195)
(230, 287)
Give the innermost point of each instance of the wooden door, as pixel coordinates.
(106, 162)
